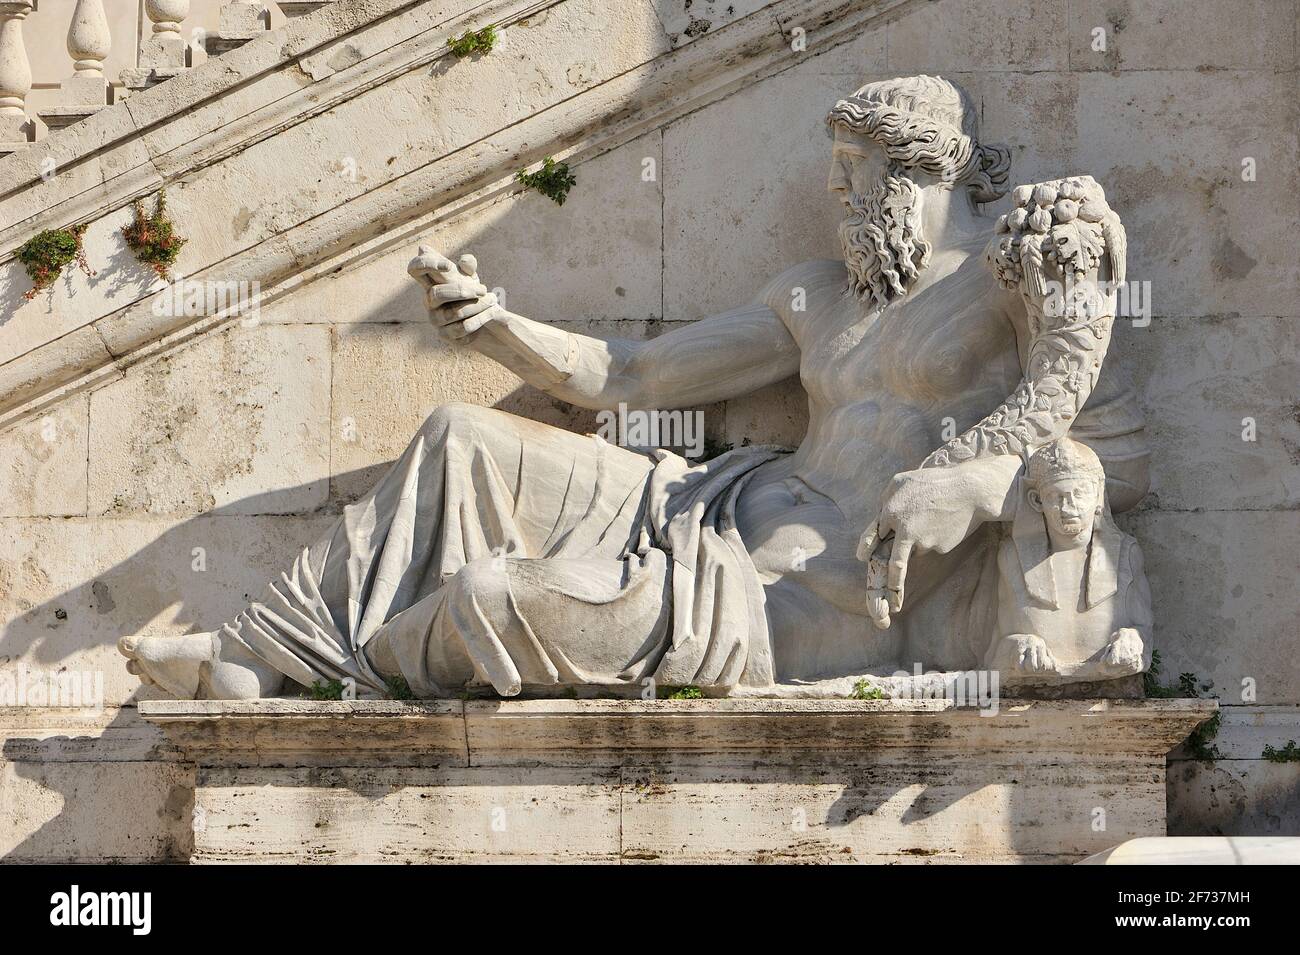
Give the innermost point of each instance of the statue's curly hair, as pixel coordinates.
(927, 123)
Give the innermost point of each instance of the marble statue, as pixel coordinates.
(503, 553)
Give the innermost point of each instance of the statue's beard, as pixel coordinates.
(881, 236)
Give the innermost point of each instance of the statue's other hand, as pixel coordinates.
(458, 303)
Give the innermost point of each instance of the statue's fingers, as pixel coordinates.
(468, 265)
(457, 292)
(898, 572)
(867, 546)
(878, 609)
(429, 267)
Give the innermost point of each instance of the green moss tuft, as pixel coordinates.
(399, 689)
(1290, 753)
(331, 690)
(1200, 743)
(680, 693)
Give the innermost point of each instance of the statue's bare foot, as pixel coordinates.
(172, 663)
(1124, 653)
(1024, 654)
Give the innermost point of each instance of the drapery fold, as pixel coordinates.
(507, 552)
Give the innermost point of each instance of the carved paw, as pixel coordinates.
(1024, 653)
(1124, 654)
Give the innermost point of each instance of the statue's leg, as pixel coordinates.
(511, 623)
(473, 482)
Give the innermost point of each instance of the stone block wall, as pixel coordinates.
(163, 499)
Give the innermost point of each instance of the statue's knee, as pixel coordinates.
(454, 416)
(481, 579)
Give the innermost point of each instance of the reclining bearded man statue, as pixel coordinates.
(499, 551)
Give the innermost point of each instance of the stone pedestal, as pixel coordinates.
(698, 780)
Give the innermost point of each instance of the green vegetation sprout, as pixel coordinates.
(153, 238)
(46, 254)
(473, 42)
(553, 180)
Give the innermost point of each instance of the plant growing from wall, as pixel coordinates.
(46, 254)
(1200, 744)
(399, 689)
(1290, 753)
(474, 42)
(153, 238)
(553, 180)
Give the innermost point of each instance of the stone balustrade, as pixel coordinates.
(161, 54)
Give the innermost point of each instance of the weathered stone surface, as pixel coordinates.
(599, 253)
(43, 463)
(69, 589)
(1185, 205)
(717, 780)
(1169, 34)
(86, 787)
(1221, 583)
(1246, 797)
(970, 35)
(783, 210)
(236, 422)
(1208, 384)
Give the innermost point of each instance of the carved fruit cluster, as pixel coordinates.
(1063, 221)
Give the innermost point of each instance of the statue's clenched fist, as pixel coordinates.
(459, 304)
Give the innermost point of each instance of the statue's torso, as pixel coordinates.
(880, 385)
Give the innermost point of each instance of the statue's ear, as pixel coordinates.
(1035, 500)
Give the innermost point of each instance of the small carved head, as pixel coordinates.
(1067, 485)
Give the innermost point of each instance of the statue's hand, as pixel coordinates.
(459, 304)
(931, 508)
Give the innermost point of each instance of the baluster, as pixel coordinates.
(164, 53)
(16, 130)
(86, 90)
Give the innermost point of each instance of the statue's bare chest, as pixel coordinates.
(915, 351)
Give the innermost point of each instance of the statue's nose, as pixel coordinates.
(838, 182)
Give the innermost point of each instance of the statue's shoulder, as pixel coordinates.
(801, 287)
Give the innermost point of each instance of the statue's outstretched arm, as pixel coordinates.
(696, 363)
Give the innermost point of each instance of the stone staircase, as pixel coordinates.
(346, 133)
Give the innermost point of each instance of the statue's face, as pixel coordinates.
(857, 163)
(880, 233)
(1070, 506)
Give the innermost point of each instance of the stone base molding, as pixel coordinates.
(674, 781)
